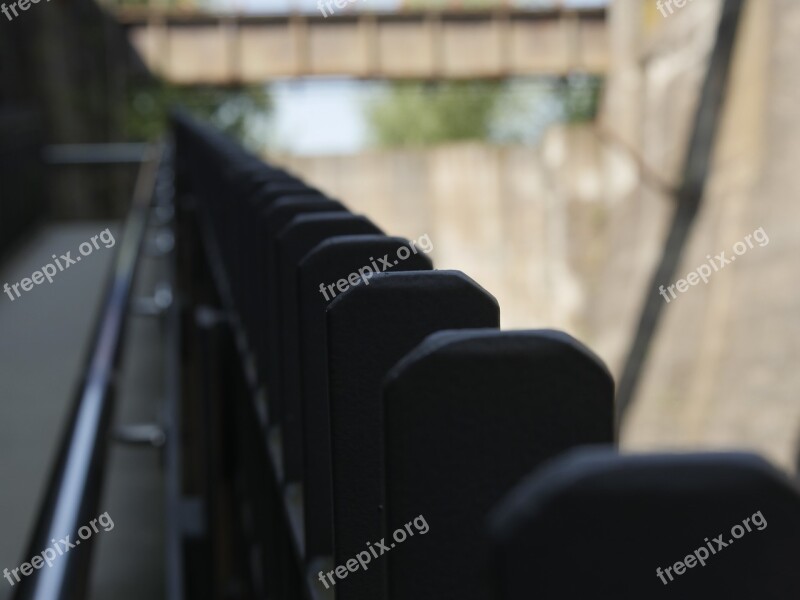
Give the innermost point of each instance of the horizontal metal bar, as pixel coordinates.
(95, 154)
(136, 15)
(174, 501)
(140, 434)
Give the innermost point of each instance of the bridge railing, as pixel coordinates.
(298, 6)
(369, 432)
(75, 484)
(193, 47)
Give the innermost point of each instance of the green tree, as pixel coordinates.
(580, 96)
(422, 114)
(241, 112)
(513, 111)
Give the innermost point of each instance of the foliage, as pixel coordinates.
(418, 114)
(580, 95)
(241, 112)
(514, 111)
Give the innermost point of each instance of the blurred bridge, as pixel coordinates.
(190, 47)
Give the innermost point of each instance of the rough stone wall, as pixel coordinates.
(722, 373)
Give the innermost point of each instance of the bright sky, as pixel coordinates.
(321, 116)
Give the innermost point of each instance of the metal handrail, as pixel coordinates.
(95, 154)
(75, 484)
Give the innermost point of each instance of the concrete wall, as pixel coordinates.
(723, 372)
(553, 232)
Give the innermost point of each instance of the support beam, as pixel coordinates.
(192, 48)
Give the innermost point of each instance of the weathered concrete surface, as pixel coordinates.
(191, 47)
(532, 225)
(724, 368)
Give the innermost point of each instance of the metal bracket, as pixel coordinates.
(155, 305)
(146, 434)
(161, 243)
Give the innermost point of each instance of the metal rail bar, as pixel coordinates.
(75, 484)
(136, 15)
(173, 455)
(94, 154)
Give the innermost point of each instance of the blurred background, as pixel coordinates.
(542, 145)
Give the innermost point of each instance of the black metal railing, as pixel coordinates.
(75, 484)
(325, 422)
